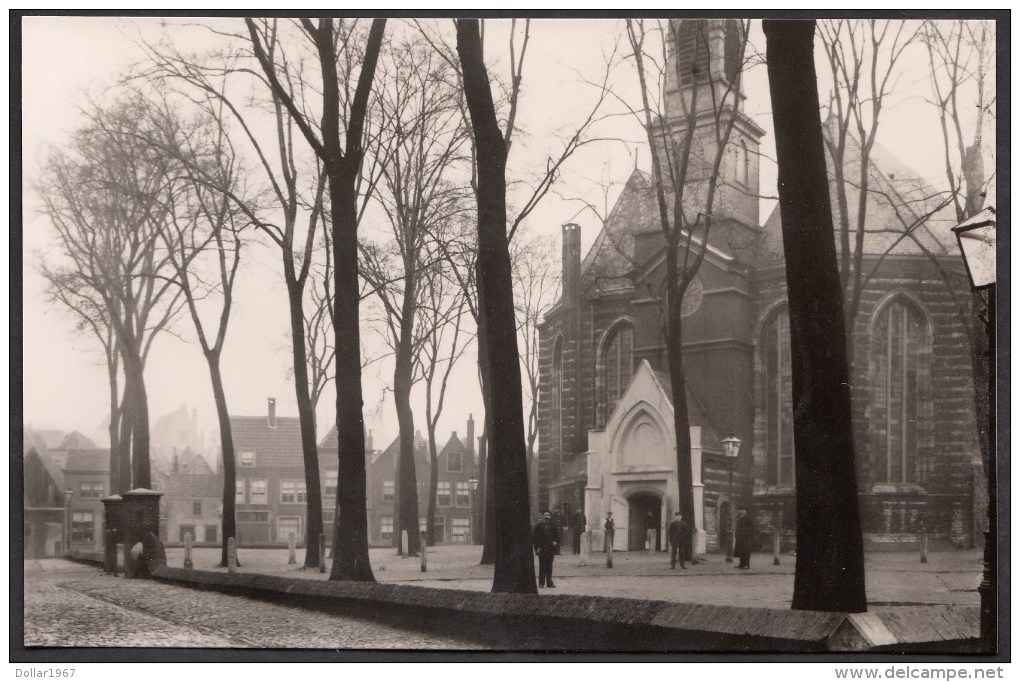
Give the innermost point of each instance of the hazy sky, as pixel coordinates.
(66, 58)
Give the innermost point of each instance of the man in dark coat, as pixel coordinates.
(545, 539)
(579, 524)
(610, 528)
(679, 534)
(743, 531)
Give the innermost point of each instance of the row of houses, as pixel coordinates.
(65, 484)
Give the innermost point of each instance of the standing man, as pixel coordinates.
(580, 524)
(545, 539)
(679, 540)
(743, 532)
(610, 528)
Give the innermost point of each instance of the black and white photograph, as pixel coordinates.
(510, 337)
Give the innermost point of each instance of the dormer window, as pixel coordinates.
(246, 458)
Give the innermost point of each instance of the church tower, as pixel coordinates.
(703, 88)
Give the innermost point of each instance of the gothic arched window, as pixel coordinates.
(557, 406)
(778, 399)
(901, 396)
(616, 364)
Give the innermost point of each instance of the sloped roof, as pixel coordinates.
(88, 460)
(330, 443)
(76, 440)
(899, 199)
(192, 486)
(280, 446)
(53, 470)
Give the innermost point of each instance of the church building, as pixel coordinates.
(606, 416)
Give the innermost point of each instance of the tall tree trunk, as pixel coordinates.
(403, 380)
(306, 418)
(484, 461)
(430, 515)
(229, 522)
(681, 420)
(515, 568)
(141, 469)
(114, 426)
(125, 415)
(830, 557)
(352, 560)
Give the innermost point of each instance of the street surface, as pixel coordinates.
(73, 605)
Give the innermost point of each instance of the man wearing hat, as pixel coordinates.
(744, 529)
(610, 528)
(545, 539)
(679, 533)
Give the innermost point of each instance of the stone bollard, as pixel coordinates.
(775, 546)
(322, 553)
(291, 546)
(585, 548)
(924, 545)
(403, 543)
(188, 563)
(424, 552)
(232, 555)
(652, 535)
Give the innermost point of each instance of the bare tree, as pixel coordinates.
(203, 239)
(107, 195)
(342, 169)
(420, 138)
(830, 548)
(514, 567)
(685, 180)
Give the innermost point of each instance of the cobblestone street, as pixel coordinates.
(71, 605)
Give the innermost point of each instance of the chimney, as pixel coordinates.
(368, 441)
(176, 465)
(272, 413)
(471, 436)
(571, 264)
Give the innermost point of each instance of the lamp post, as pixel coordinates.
(976, 239)
(68, 494)
(473, 486)
(731, 448)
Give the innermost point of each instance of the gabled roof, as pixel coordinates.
(279, 446)
(898, 199)
(191, 486)
(91, 460)
(76, 441)
(330, 443)
(696, 412)
(48, 464)
(393, 449)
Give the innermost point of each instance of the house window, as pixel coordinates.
(292, 491)
(211, 533)
(259, 491)
(616, 366)
(196, 508)
(387, 491)
(239, 491)
(83, 527)
(443, 494)
(184, 531)
(463, 494)
(461, 529)
(778, 399)
(386, 528)
(331, 480)
(287, 525)
(327, 517)
(901, 422)
(557, 406)
(440, 526)
(92, 489)
(252, 516)
(423, 523)
(247, 458)
(455, 461)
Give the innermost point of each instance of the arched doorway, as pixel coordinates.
(645, 512)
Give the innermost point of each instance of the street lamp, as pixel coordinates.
(68, 494)
(731, 448)
(976, 239)
(473, 486)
